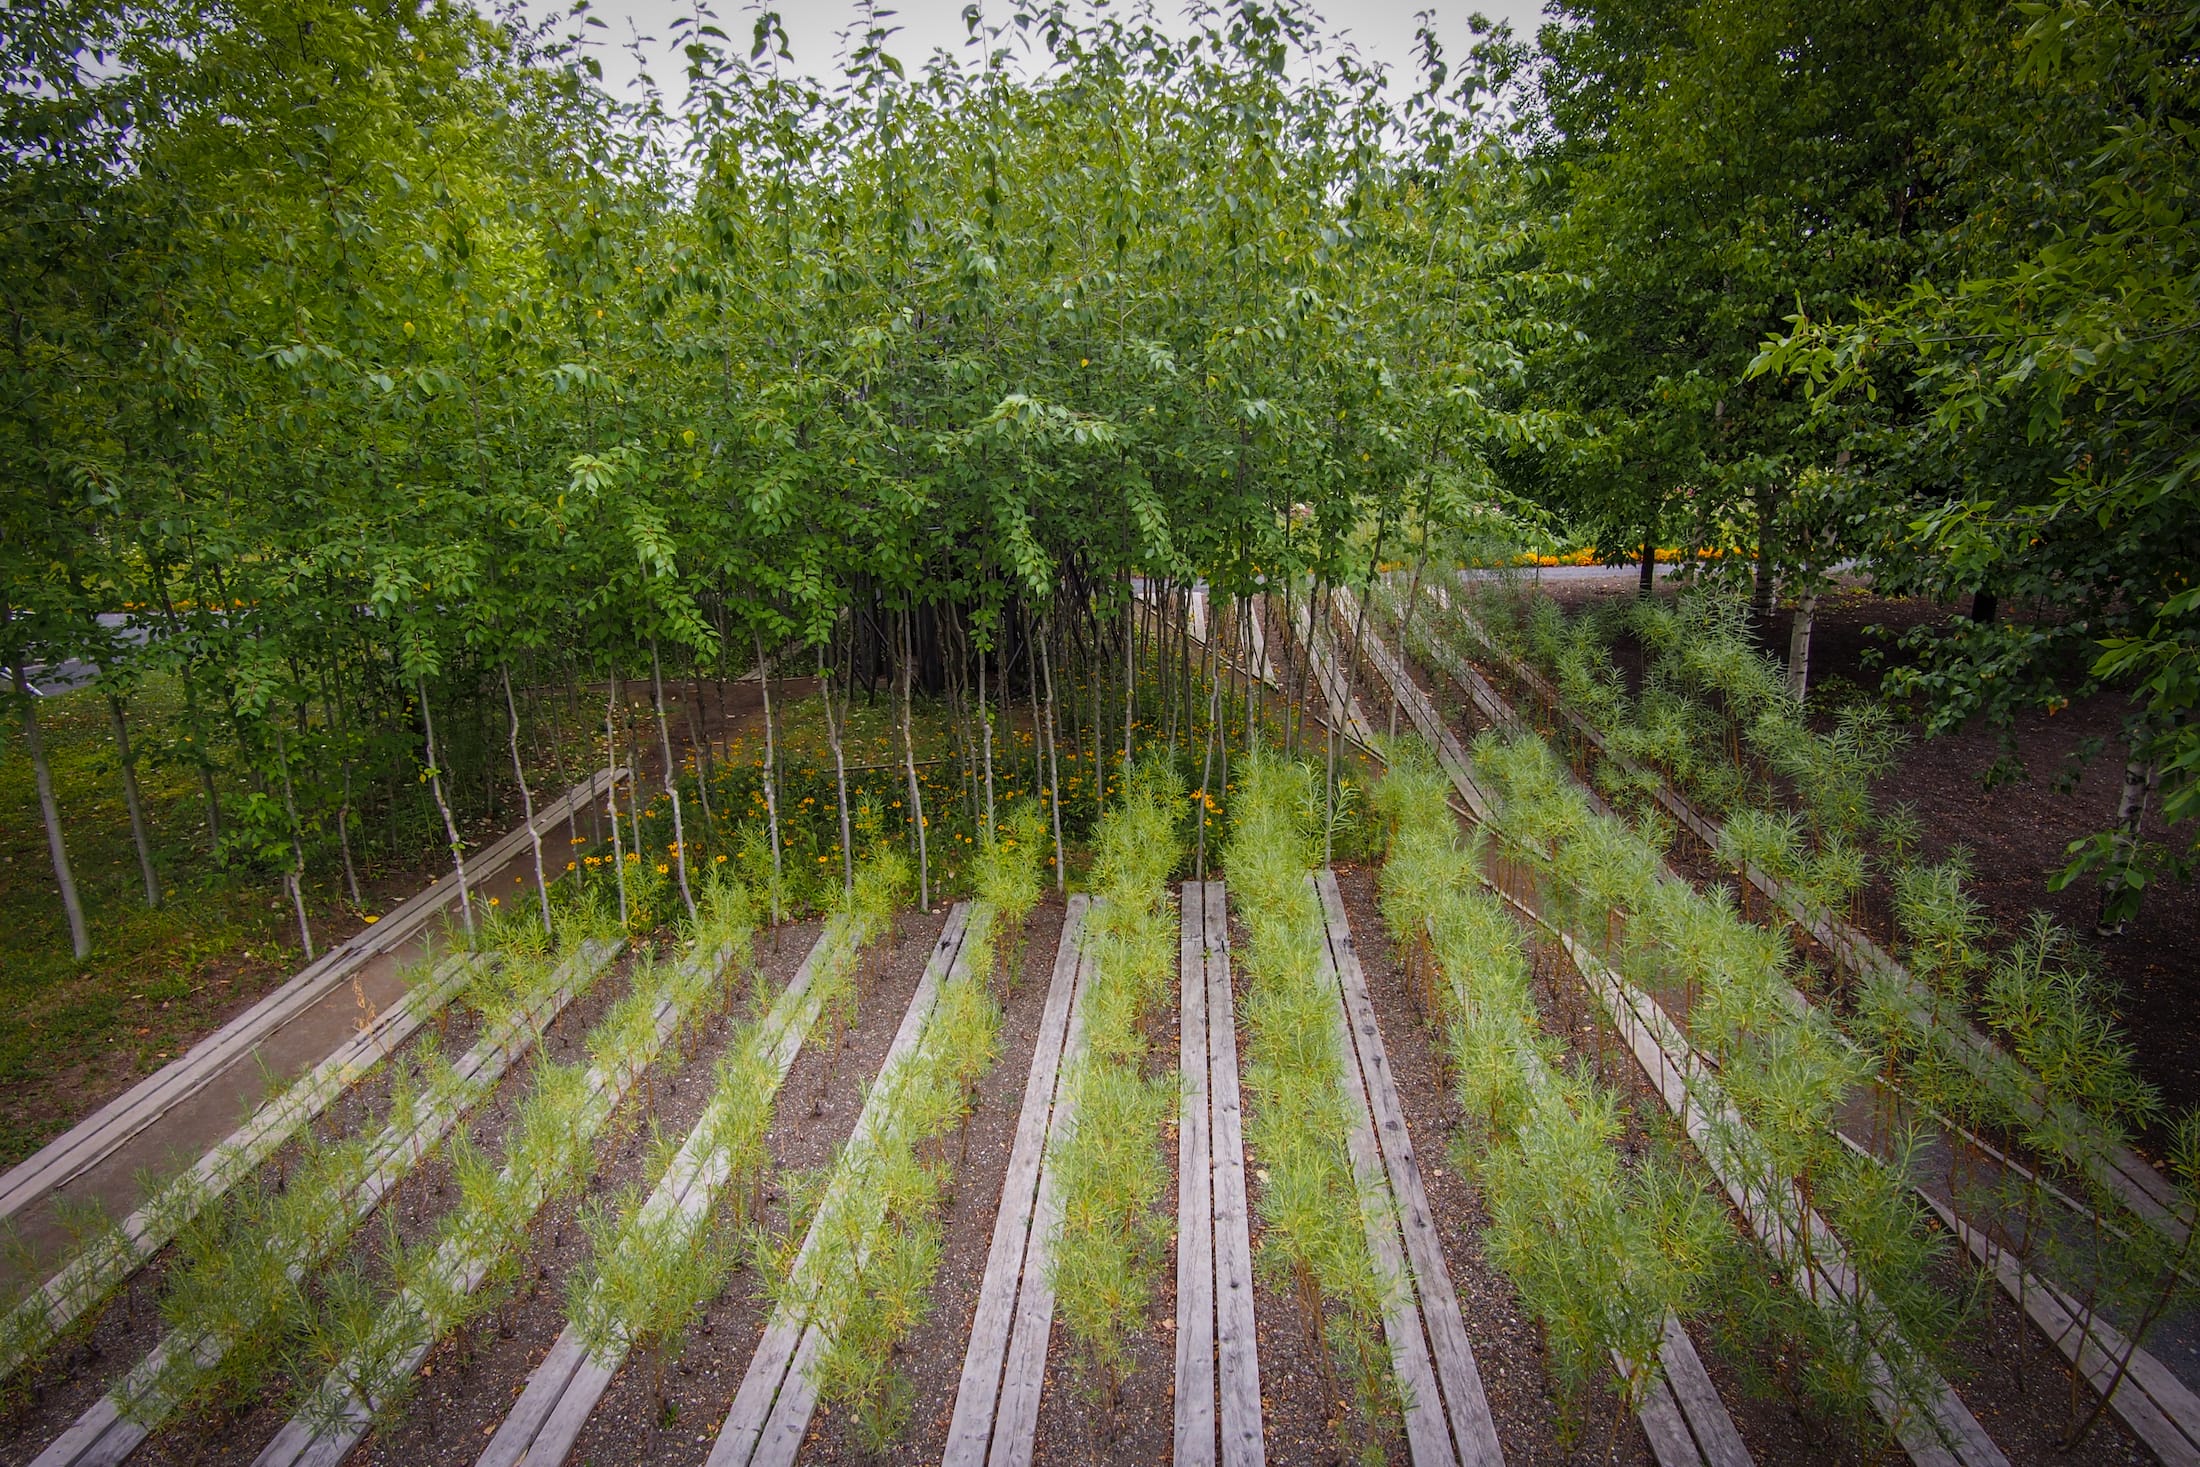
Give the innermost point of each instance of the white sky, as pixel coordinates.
(1383, 30)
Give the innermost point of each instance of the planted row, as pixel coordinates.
(1313, 1247)
(1111, 1169)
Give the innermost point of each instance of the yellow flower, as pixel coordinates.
(720, 860)
(662, 868)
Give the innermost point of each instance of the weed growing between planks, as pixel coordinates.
(1111, 1169)
(865, 1281)
(1601, 1253)
(366, 1343)
(1313, 1247)
(1782, 1063)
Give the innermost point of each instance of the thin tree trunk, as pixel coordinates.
(130, 798)
(985, 720)
(909, 761)
(79, 938)
(343, 838)
(526, 795)
(1054, 767)
(771, 770)
(611, 789)
(450, 826)
(1648, 581)
(295, 877)
(840, 772)
(1207, 764)
(1806, 609)
(2131, 807)
(702, 754)
(1130, 668)
(672, 781)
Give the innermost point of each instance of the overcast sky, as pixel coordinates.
(1383, 29)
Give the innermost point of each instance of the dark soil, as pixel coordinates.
(932, 1357)
(46, 1402)
(2017, 832)
(1077, 1424)
(1508, 1344)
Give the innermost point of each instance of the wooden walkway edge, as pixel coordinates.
(1018, 1253)
(1447, 1412)
(1217, 1352)
(89, 1277)
(107, 1129)
(323, 1434)
(109, 1430)
(771, 1411)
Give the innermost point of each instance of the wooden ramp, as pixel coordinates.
(114, 1124)
(1004, 1367)
(1447, 1414)
(771, 1411)
(1218, 1414)
(323, 1433)
(113, 1426)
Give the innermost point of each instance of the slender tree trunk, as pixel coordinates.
(79, 938)
(1760, 599)
(526, 796)
(1985, 606)
(909, 760)
(2116, 906)
(672, 782)
(1806, 610)
(840, 772)
(136, 805)
(692, 713)
(343, 838)
(771, 770)
(1644, 586)
(985, 720)
(1054, 767)
(611, 789)
(1130, 667)
(295, 877)
(450, 826)
(1207, 764)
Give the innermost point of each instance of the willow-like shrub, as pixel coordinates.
(1112, 1167)
(1782, 1063)
(1313, 1243)
(1600, 1252)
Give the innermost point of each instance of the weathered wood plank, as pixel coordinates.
(107, 1129)
(1427, 1433)
(1690, 1385)
(1195, 1222)
(742, 1433)
(105, 1434)
(1237, 1346)
(970, 1430)
(1023, 1373)
(1466, 1405)
(322, 1434)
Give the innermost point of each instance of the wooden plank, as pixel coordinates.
(1023, 1373)
(91, 1275)
(2158, 1407)
(1466, 1405)
(771, 1369)
(1195, 1218)
(1698, 1400)
(970, 1430)
(107, 1129)
(323, 1433)
(1427, 1433)
(1821, 1272)
(1237, 1346)
(104, 1435)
